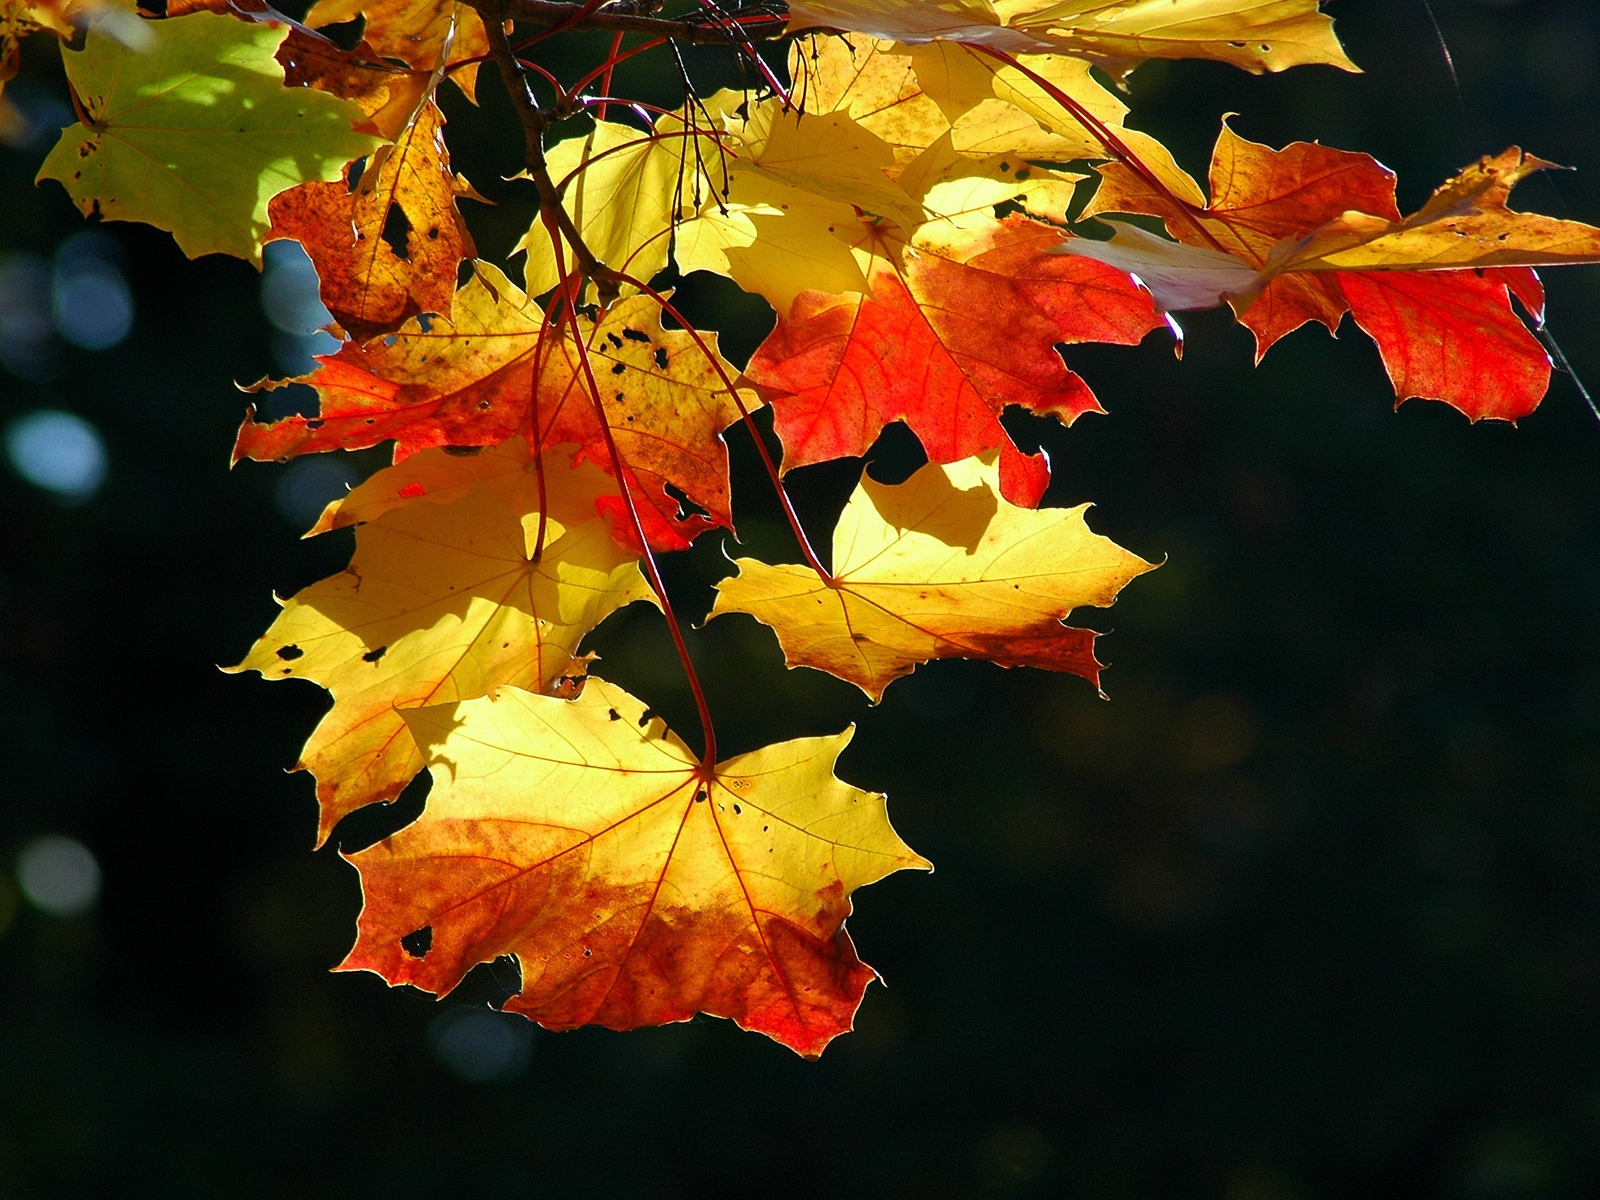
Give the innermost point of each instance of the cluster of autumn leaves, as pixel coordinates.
(902, 202)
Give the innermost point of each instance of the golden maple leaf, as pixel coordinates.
(634, 886)
(911, 96)
(622, 187)
(940, 566)
(1258, 35)
(442, 601)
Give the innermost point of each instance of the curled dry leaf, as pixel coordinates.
(443, 601)
(389, 95)
(940, 566)
(429, 36)
(633, 886)
(368, 285)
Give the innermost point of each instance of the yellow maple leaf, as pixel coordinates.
(623, 187)
(634, 886)
(769, 232)
(443, 601)
(911, 96)
(1258, 35)
(940, 566)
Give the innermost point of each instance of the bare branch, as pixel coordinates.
(733, 30)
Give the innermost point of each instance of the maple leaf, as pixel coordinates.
(443, 601)
(776, 237)
(1258, 35)
(427, 35)
(197, 133)
(957, 325)
(757, 198)
(389, 96)
(940, 566)
(912, 96)
(1308, 233)
(623, 188)
(633, 886)
(1465, 223)
(771, 235)
(470, 381)
(366, 285)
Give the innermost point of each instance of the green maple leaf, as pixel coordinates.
(197, 133)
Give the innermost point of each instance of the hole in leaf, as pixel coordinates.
(290, 653)
(687, 508)
(462, 451)
(645, 717)
(373, 656)
(660, 356)
(346, 34)
(418, 942)
(634, 335)
(396, 231)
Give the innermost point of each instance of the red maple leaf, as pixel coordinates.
(950, 335)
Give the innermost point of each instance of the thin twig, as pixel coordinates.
(535, 123)
(737, 31)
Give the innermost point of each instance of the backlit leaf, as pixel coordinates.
(1316, 233)
(940, 566)
(1258, 35)
(368, 285)
(958, 325)
(471, 381)
(197, 134)
(623, 188)
(441, 602)
(633, 887)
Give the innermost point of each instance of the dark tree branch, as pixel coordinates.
(535, 123)
(731, 31)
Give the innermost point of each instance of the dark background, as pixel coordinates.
(1309, 908)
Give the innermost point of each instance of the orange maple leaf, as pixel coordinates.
(497, 369)
(634, 886)
(952, 332)
(366, 284)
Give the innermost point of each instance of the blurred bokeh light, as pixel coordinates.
(57, 451)
(59, 875)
